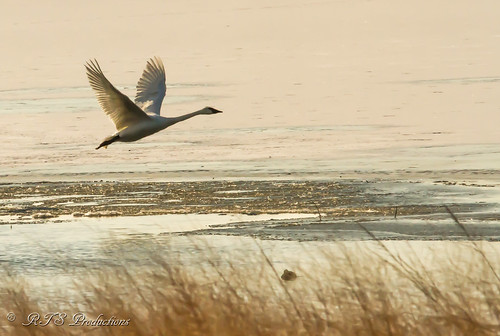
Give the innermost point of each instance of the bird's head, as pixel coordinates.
(210, 110)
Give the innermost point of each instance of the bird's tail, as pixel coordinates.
(109, 140)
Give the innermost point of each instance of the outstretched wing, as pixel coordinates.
(122, 111)
(151, 87)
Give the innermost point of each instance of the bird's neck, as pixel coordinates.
(175, 120)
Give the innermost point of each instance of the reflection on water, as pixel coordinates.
(66, 243)
(460, 80)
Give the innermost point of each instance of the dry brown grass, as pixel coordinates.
(357, 292)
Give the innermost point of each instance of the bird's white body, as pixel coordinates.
(155, 124)
(137, 120)
(143, 129)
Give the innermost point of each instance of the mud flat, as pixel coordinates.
(342, 209)
(341, 198)
(329, 229)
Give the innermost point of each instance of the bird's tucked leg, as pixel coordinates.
(108, 140)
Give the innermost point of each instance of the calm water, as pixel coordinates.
(51, 134)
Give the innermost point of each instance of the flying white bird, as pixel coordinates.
(137, 120)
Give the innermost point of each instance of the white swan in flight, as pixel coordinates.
(137, 120)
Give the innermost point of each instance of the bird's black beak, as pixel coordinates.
(214, 110)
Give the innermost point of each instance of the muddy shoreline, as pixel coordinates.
(411, 209)
(332, 229)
